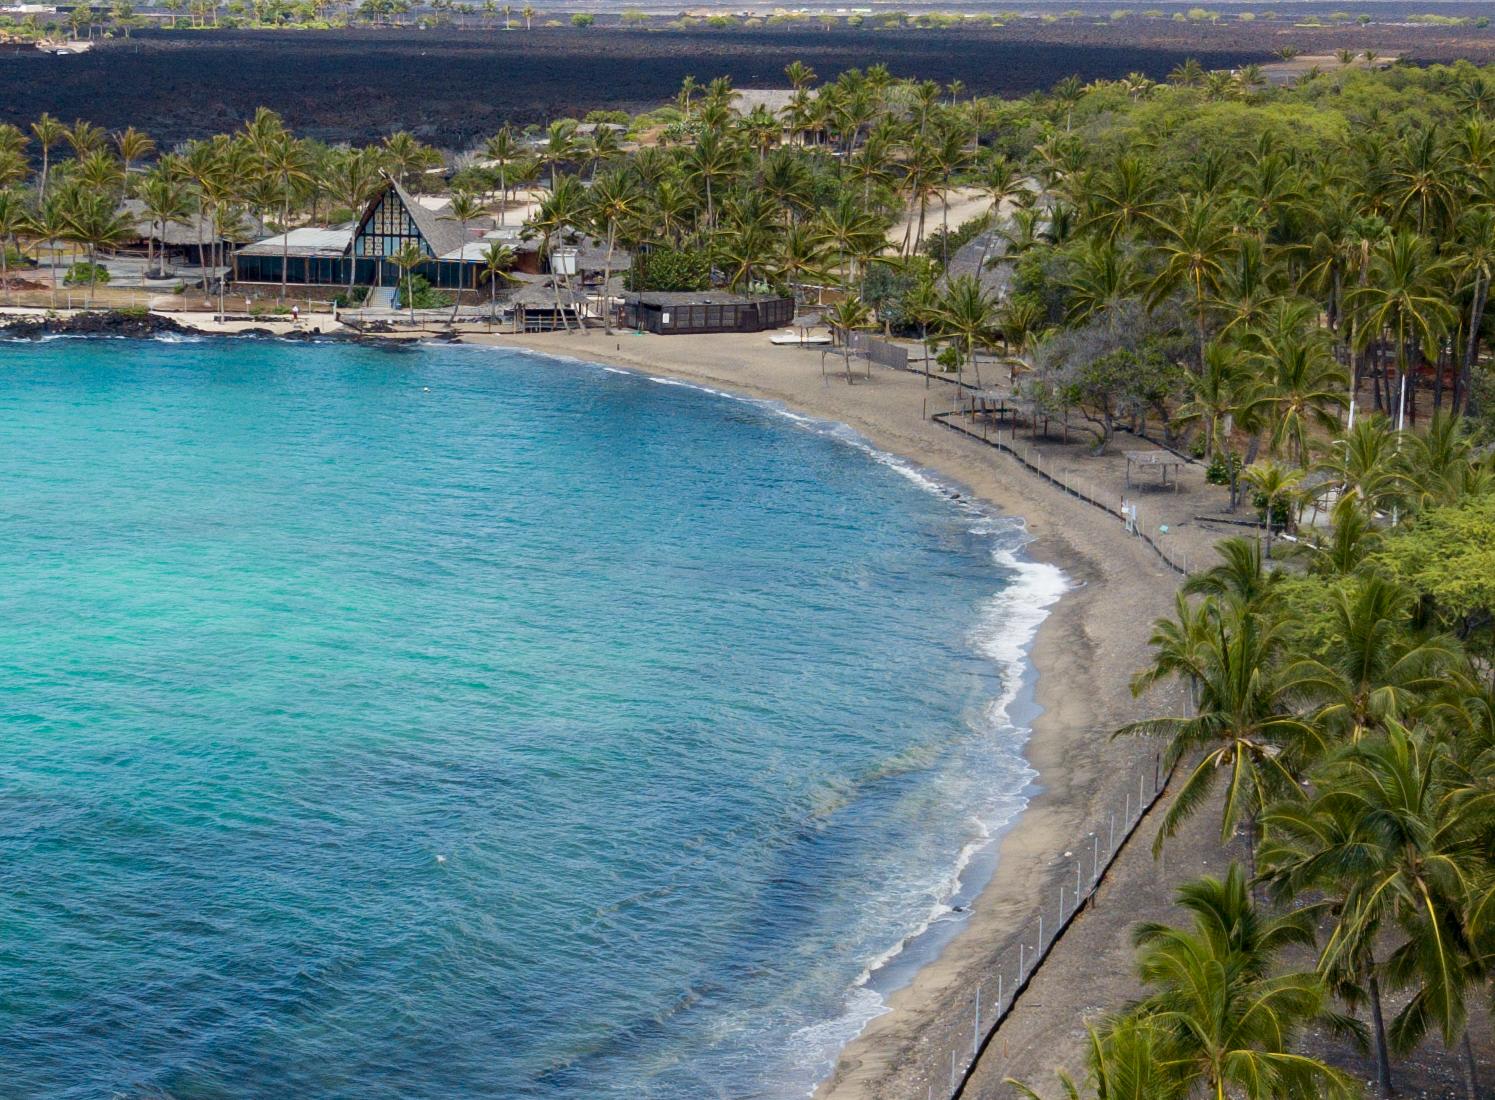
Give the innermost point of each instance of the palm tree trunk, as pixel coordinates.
(1465, 376)
(607, 276)
(1378, 1023)
(201, 248)
(1471, 1080)
(945, 228)
(285, 242)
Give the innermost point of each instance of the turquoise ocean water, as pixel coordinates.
(457, 723)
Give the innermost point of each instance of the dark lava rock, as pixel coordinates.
(134, 326)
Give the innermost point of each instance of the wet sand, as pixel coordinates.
(1085, 653)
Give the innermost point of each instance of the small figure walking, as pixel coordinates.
(295, 315)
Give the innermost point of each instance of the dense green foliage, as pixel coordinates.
(670, 269)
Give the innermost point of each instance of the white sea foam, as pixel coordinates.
(1004, 634)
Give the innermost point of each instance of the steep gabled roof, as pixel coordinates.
(442, 235)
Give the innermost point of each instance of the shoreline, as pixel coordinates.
(1092, 639)
(1080, 660)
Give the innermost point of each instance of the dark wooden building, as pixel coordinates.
(698, 311)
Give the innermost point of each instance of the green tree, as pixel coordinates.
(966, 315)
(1244, 729)
(1229, 1022)
(1401, 844)
(497, 263)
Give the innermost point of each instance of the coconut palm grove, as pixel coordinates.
(1288, 280)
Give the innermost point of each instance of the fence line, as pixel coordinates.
(1031, 458)
(996, 995)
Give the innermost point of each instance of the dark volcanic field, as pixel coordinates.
(452, 86)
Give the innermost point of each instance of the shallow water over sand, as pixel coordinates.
(456, 723)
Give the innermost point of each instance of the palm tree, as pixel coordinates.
(800, 258)
(614, 200)
(1123, 197)
(1245, 727)
(93, 222)
(708, 166)
(950, 154)
(561, 211)
(560, 147)
(288, 164)
(48, 132)
(408, 157)
(99, 172)
(133, 145)
(1405, 295)
(497, 261)
(13, 221)
(1374, 668)
(84, 137)
(1192, 253)
(464, 210)
(407, 258)
(1305, 385)
(1240, 578)
(1217, 394)
(846, 316)
(799, 75)
(1366, 466)
(165, 200)
(529, 13)
(1000, 180)
(1104, 275)
(1477, 267)
(1442, 466)
(1277, 484)
(852, 230)
(49, 223)
(351, 177)
(1127, 1059)
(502, 149)
(967, 315)
(600, 147)
(1404, 844)
(1228, 1021)
(1425, 176)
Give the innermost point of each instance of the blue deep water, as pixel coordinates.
(453, 722)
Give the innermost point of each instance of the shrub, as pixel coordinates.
(345, 299)
(582, 19)
(1281, 514)
(422, 295)
(1221, 466)
(86, 274)
(670, 269)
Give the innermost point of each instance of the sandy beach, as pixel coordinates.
(1085, 652)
